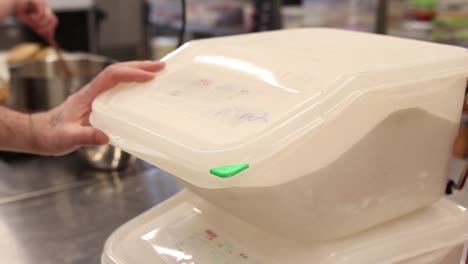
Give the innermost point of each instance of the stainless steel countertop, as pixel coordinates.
(54, 210)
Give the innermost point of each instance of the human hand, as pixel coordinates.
(38, 16)
(66, 127)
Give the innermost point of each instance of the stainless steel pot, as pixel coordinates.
(43, 85)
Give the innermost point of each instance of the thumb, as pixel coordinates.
(90, 136)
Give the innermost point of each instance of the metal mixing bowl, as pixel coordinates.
(105, 157)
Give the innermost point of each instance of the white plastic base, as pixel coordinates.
(186, 229)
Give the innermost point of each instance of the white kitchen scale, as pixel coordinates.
(188, 230)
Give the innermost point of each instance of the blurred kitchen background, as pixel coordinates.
(139, 29)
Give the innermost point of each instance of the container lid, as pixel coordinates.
(235, 101)
(186, 229)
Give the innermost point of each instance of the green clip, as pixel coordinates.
(229, 170)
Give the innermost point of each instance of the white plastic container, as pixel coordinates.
(321, 125)
(187, 229)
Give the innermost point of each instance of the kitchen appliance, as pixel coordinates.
(292, 132)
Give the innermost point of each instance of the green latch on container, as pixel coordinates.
(229, 170)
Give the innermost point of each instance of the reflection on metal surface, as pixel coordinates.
(106, 157)
(41, 85)
(51, 190)
(245, 67)
(117, 182)
(55, 210)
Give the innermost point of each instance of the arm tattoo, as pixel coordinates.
(56, 119)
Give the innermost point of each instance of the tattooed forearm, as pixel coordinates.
(56, 119)
(15, 131)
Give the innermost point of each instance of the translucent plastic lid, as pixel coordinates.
(186, 229)
(235, 100)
